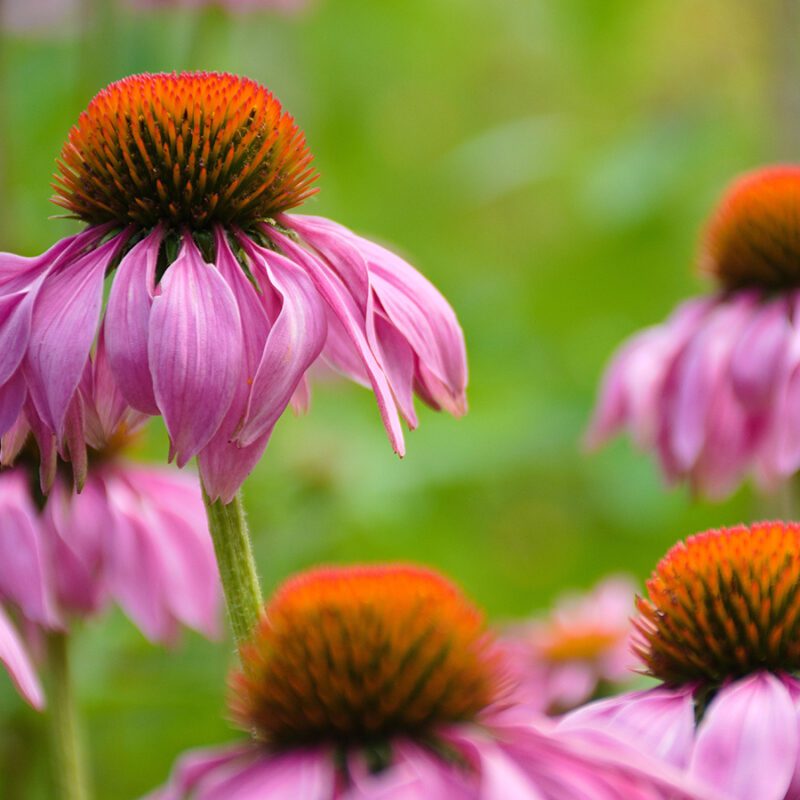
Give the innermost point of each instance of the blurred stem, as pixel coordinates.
(68, 755)
(237, 567)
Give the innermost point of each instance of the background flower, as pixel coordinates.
(580, 648)
(718, 628)
(381, 681)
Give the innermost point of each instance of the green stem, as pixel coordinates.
(68, 756)
(237, 568)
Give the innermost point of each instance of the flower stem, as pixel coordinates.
(68, 756)
(237, 568)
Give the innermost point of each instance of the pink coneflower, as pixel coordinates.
(382, 682)
(136, 535)
(719, 628)
(219, 301)
(715, 390)
(580, 648)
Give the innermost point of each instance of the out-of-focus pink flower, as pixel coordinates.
(719, 628)
(714, 391)
(220, 301)
(135, 534)
(564, 658)
(18, 664)
(381, 682)
(35, 16)
(235, 6)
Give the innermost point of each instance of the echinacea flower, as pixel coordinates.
(719, 628)
(382, 682)
(714, 391)
(136, 535)
(219, 300)
(581, 647)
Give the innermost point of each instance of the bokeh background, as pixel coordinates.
(548, 165)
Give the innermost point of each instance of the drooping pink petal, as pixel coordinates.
(659, 722)
(294, 342)
(758, 356)
(46, 442)
(177, 519)
(193, 767)
(194, 350)
(12, 399)
(298, 773)
(15, 328)
(345, 308)
(127, 322)
(747, 742)
(415, 772)
(702, 367)
(106, 412)
(135, 574)
(77, 528)
(16, 661)
(73, 445)
(335, 243)
(25, 578)
(223, 465)
(412, 305)
(63, 328)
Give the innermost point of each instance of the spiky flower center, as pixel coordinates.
(723, 604)
(753, 238)
(363, 653)
(186, 149)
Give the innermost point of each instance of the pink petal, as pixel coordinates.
(195, 350)
(12, 400)
(701, 369)
(747, 743)
(185, 552)
(25, 578)
(335, 243)
(345, 308)
(135, 574)
(127, 322)
(306, 774)
(16, 661)
(15, 329)
(63, 328)
(193, 767)
(415, 772)
(223, 465)
(758, 357)
(660, 722)
(77, 528)
(293, 344)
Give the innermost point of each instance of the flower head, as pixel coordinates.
(753, 237)
(219, 300)
(713, 391)
(567, 656)
(723, 604)
(359, 653)
(382, 681)
(719, 628)
(192, 149)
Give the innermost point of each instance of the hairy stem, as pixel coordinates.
(68, 756)
(237, 568)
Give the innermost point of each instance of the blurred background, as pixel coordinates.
(548, 165)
